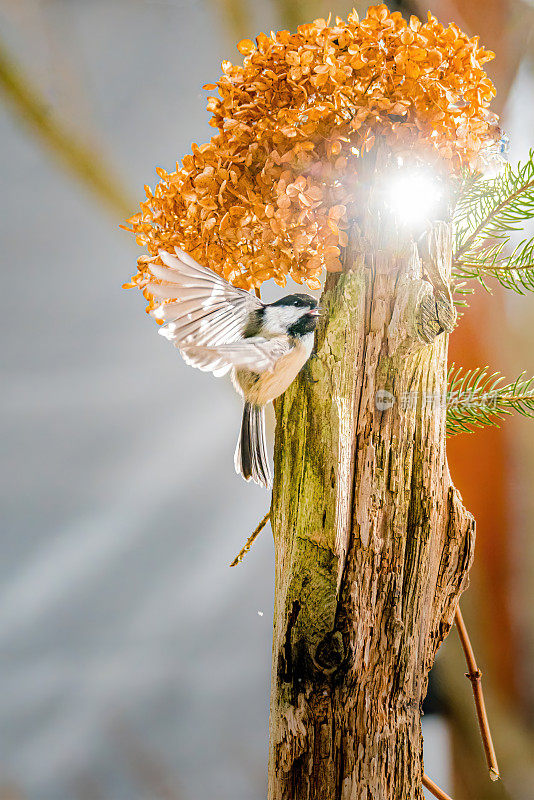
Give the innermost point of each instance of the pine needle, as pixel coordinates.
(478, 397)
(487, 215)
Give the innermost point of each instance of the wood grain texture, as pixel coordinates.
(372, 541)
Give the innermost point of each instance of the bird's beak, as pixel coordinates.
(315, 312)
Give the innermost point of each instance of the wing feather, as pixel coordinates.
(171, 291)
(204, 329)
(255, 353)
(187, 310)
(201, 309)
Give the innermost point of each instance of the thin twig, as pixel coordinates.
(236, 15)
(493, 268)
(434, 788)
(291, 13)
(475, 676)
(250, 541)
(513, 398)
(85, 163)
(373, 79)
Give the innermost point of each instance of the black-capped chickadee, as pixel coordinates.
(219, 328)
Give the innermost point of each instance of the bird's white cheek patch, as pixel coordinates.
(278, 319)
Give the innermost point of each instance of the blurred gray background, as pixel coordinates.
(133, 662)
(122, 629)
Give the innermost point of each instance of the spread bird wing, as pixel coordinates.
(204, 309)
(255, 353)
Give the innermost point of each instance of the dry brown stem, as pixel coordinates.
(475, 676)
(85, 163)
(250, 541)
(429, 784)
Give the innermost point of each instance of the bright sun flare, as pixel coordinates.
(413, 196)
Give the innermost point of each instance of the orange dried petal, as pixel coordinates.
(246, 47)
(298, 108)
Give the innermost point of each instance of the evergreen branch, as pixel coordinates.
(499, 216)
(516, 272)
(486, 215)
(476, 398)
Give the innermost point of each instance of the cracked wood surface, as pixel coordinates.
(372, 541)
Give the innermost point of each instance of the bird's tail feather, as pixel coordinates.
(251, 459)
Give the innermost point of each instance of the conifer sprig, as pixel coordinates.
(478, 397)
(486, 217)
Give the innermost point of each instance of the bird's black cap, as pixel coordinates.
(296, 300)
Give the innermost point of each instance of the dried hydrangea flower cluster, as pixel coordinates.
(272, 193)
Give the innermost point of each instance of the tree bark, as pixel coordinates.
(372, 542)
